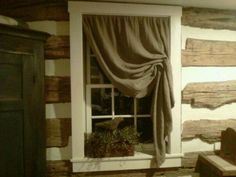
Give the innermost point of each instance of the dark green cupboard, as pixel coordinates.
(22, 108)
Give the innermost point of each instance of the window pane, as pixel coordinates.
(101, 101)
(128, 122)
(97, 75)
(144, 127)
(144, 105)
(95, 121)
(123, 105)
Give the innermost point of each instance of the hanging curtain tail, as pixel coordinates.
(134, 52)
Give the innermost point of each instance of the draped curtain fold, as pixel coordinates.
(134, 52)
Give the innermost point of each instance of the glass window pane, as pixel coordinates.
(144, 127)
(95, 121)
(144, 105)
(128, 122)
(101, 101)
(123, 105)
(97, 75)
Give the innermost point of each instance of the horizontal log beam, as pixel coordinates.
(209, 18)
(209, 53)
(59, 168)
(57, 89)
(140, 173)
(189, 159)
(39, 11)
(207, 130)
(209, 94)
(17, 3)
(58, 132)
(57, 47)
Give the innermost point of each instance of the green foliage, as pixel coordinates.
(119, 142)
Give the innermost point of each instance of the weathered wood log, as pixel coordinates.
(17, 3)
(58, 132)
(59, 168)
(57, 47)
(189, 159)
(209, 94)
(228, 145)
(209, 18)
(57, 89)
(39, 11)
(207, 130)
(140, 173)
(209, 53)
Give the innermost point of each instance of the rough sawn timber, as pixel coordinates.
(59, 168)
(56, 10)
(209, 18)
(207, 130)
(57, 47)
(209, 53)
(209, 94)
(57, 89)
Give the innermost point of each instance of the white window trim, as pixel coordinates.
(78, 104)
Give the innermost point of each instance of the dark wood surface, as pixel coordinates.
(228, 145)
(215, 166)
(57, 47)
(35, 11)
(22, 109)
(57, 89)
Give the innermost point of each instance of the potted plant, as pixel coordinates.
(110, 141)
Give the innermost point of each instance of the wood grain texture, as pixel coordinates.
(209, 53)
(207, 130)
(174, 172)
(58, 132)
(38, 11)
(228, 145)
(209, 18)
(17, 3)
(215, 166)
(209, 94)
(57, 89)
(57, 47)
(59, 168)
(189, 159)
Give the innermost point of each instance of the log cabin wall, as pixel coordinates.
(208, 50)
(208, 79)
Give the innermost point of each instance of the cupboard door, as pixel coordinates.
(16, 82)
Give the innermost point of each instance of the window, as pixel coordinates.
(104, 102)
(95, 99)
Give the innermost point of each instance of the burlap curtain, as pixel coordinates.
(133, 52)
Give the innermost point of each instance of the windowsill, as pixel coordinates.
(138, 161)
(78, 104)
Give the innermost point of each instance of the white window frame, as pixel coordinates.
(78, 103)
(89, 86)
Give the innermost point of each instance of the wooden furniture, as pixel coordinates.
(228, 145)
(215, 166)
(22, 112)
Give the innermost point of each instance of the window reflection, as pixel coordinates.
(123, 105)
(101, 101)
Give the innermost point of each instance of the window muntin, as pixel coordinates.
(105, 102)
(78, 103)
